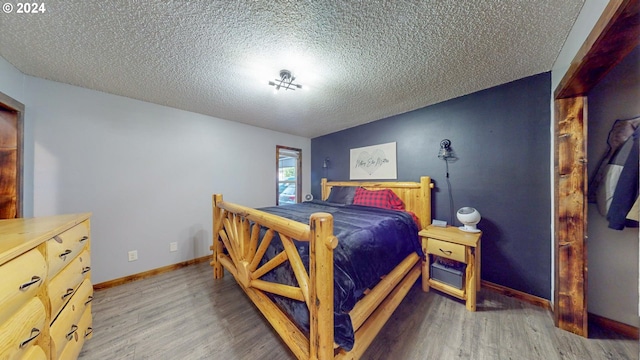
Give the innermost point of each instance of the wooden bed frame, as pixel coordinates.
(232, 231)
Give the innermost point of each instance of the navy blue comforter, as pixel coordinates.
(372, 242)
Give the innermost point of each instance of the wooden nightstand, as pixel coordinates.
(455, 244)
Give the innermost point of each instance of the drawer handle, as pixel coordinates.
(63, 256)
(446, 252)
(67, 294)
(34, 280)
(88, 332)
(86, 269)
(69, 335)
(89, 299)
(83, 239)
(34, 334)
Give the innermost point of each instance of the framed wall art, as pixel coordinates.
(373, 162)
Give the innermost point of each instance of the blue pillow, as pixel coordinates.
(342, 194)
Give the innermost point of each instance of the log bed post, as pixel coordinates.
(321, 245)
(425, 201)
(324, 191)
(216, 246)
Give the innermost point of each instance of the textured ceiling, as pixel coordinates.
(358, 61)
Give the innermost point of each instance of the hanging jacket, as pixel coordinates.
(626, 191)
(604, 194)
(621, 130)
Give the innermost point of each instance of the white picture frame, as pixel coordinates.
(373, 162)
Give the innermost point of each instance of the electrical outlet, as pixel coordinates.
(133, 255)
(173, 246)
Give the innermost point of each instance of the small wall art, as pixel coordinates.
(373, 162)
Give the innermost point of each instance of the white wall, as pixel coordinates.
(11, 81)
(589, 15)
(613, 255)
(146, 172)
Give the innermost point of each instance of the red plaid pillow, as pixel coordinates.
(384, 198)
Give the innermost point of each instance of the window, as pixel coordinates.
(288, 181)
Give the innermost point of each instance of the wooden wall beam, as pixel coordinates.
(570, 301)
(616, 33)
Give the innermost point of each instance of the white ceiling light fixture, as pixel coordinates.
(285, 81)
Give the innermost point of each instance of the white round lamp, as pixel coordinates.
(469, 217)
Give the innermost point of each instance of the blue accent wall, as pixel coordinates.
(501, 137)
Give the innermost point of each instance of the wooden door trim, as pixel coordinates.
(570, 189)
(10, 104)
(616, 33)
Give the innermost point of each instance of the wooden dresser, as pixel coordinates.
(45, 287)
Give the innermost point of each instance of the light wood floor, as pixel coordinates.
(185, 314)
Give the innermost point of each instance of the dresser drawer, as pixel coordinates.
(74, 345)
(446, 249)
(21, 331)
(65, 328)
(63, 285)
(86, 323)
(63, 248)
(20, 280)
